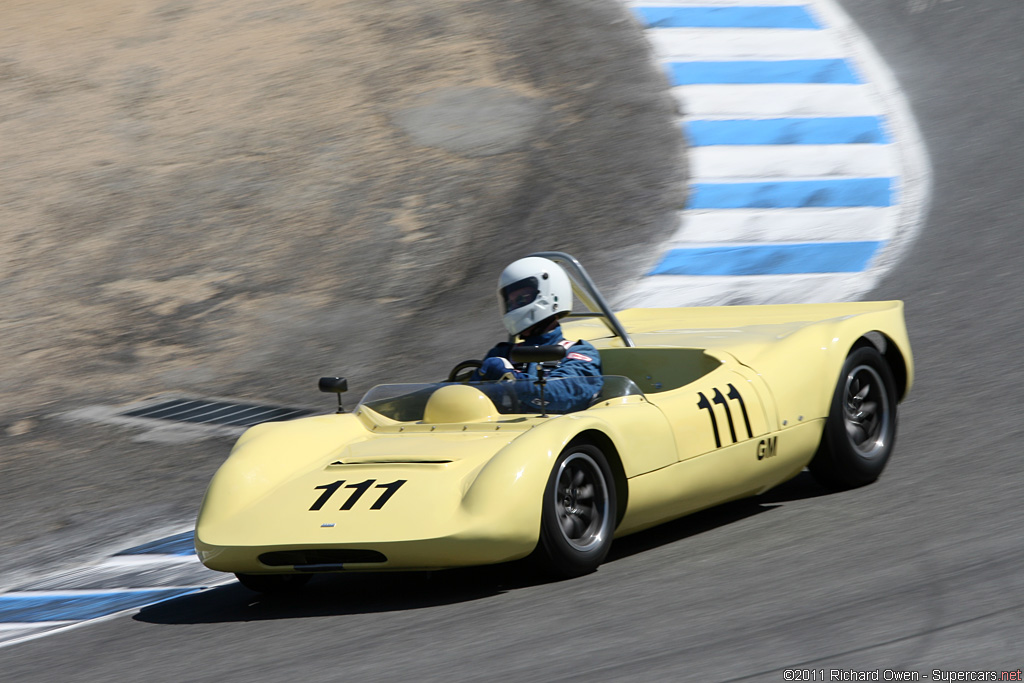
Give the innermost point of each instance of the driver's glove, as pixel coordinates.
(496, 368)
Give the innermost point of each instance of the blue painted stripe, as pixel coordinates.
(833, 71)
(792, 194)
(726, 17)
(834, 130)
(179, 544)
(769, 259)
(71, 607)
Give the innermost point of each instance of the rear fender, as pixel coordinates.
(802, 369)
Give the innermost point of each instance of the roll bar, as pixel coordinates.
(586, 291)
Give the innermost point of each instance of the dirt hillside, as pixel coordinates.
(231, 198)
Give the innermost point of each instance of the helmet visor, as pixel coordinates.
(519, 294)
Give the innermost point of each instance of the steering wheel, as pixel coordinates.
(463, 371)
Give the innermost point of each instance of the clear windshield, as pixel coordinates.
(407, 402)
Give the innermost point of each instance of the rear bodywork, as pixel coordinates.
(731, 401)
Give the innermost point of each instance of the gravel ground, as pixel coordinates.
(234, 198)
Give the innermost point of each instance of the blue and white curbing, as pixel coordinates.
(808, 175)
(134, 578)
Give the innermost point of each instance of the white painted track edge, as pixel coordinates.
(793, 225)
(759, 100)
(106, 617)
(914, 192)
(730, 44)
(760, 162)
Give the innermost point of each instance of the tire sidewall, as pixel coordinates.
(843, 463)
(557, 554)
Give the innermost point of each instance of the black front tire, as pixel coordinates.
(273, 583)
(860, 431)
(578, 513)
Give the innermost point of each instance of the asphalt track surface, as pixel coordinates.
(920, 571)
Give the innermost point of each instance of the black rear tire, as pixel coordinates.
(273, 583)
(860, 431)
(578, 513)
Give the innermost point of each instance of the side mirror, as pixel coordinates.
(536, 354)
(334, 385)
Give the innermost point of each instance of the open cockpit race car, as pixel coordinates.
(695, 407)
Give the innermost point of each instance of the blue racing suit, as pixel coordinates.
(581, 369)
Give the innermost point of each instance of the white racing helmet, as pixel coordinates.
(533, 289)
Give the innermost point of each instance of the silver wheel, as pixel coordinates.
(860, 431)
(866, 412)
(578, 514)
(581, 502)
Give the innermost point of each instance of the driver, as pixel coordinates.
(534, 293)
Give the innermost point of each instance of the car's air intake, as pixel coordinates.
(319, 559)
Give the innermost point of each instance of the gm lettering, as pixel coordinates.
(766, 448)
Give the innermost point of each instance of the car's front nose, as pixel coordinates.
(371, 507)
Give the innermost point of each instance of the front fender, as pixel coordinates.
(510, 487)
(507, 492)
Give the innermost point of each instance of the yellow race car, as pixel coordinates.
(696, 407)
